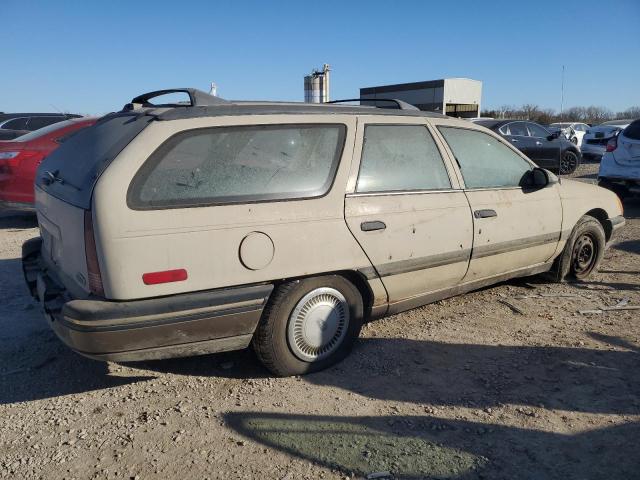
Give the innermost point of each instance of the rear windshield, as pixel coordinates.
(633, 131)
(77, 163)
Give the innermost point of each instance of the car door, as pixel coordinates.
(545, 152)
(514, 228)
(518, 135)
(407, 210)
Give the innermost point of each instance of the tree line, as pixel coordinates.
(592, 115)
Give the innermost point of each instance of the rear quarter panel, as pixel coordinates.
(309, 236)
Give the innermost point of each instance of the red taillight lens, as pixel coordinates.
(612, 144)
(166, 276)
(11, 160)
(93, 266)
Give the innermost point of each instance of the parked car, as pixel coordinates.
(620, 165)
(572, 131)
(17, 124)
(594, 142)
(215, 225)
(20, 158)
(549, 151)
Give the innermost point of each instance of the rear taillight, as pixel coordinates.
(93, 266)
(11, 160)
(612, 144)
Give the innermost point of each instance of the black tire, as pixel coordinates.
(271, 340)
(568, 163)
(583, 252)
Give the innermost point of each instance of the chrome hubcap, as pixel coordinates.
(318, 324)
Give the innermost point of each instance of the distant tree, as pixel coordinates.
(592, 114)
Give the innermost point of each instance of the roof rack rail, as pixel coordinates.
(401, 105)
(197, 98)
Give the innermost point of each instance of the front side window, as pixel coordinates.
(485, 162)
(537, 131)
(239, 164)
(400, 158)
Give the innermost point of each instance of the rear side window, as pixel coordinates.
(400, 157)
(485, 162)
(38, 122)
(633, 131)
(239, 164)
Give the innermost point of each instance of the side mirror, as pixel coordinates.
(554, 135)
(538, 178)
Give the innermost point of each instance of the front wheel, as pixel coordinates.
(309, 325)
(583, 252)
(568, 163)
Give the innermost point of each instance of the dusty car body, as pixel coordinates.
(214, 225)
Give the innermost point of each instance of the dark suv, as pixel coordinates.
(13, 125)
(551, 151)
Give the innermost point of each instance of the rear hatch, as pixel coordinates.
(628, 150)
(64, 186)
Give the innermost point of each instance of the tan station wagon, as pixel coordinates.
(176, 229)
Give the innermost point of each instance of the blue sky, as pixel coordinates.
(94, 56)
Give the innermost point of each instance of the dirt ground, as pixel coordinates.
(465, 388)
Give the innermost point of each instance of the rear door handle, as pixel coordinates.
(373, 225)
(485, 213)
(538, 143)
(514, 140)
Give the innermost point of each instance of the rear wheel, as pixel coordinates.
(568, 162)
(309, 325)
(583, 252)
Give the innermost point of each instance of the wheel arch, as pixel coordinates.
(353, 276)
(602, 217)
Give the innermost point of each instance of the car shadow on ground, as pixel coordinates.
(412, 447)
(464, 375)
(17, 220)
(39, 367)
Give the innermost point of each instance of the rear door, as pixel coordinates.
(406, 209)
(514, 228)
(545, 152)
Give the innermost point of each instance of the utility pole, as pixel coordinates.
(562, 94)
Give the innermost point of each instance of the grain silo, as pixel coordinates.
(316, 86)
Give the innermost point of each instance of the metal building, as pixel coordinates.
(316, 85)
(456, 97)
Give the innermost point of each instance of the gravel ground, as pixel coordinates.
(465, 388)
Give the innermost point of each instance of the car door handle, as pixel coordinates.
(372, 226)
(485, 213)
(514, 140)
(538, 143)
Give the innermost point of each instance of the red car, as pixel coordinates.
(19, 160)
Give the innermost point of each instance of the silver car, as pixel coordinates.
(594, 142)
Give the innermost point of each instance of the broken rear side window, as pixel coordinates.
(222, 165)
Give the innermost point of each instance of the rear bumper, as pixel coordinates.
(591, 150)
(173, 326)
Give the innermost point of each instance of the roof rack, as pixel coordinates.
(401, 105)
(197, 98)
